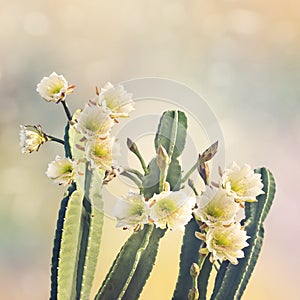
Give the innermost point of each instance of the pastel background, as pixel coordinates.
(242, 56)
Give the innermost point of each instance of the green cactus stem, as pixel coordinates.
(231, 280)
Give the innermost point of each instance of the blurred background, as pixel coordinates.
(243, 57)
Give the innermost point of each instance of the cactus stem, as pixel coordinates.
(139, 253)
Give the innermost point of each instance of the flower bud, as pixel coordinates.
(194, 270)
(203, 170)
(162, 158)
(193, 294)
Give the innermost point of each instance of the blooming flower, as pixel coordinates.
(94, 121)
(116, 99)
(226, 242)
(31, 138)
(100, 152)
(171, 209)
(216, 208)
(61, 171)
(131, 211)
(242, 183)
(54, 88)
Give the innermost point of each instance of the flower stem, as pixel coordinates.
(66, 108)
(162, 180)
(135, 172)
(201, 260)
(54, 139)
(191, 170)
(134, 179)
(192, 186)
(133, 148)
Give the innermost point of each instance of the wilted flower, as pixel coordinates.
(131, 211)
(242, 183)
(61, 170)
(54, 88)
(116, 99)
(226, 242)
(216, 208)
(94, 121)
(171, 209)
(31, 138)
(100, 153)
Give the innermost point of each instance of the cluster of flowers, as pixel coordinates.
(217, 209)
(94, 123)
(168, 209)
(220, 212)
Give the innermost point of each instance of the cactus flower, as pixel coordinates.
(100, 153)
(171, 209)
(242, 183)
(215, 207)
(116, 99)
(94, 121)
(61, 170)
(131, 211)
(31, 138)
(54, 88)
(226, 242)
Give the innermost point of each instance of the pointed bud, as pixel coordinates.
(193, 294)
(194, 270)
(204, 172)
(132, 146)
(210, 152)
(162, 158)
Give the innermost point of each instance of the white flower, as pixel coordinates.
(131, 211)
(241, 183)
(94, 121)
(54, 88)
(116, 99)
(61, 170)
(216, 208)
(100, 153)
(31, 138)
(226, 242)
(171, 209)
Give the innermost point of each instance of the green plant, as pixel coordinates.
(214, 234)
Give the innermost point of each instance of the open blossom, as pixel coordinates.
(171, 209)
(94, 121)
(226, 242)
(131, 211)
(54, 88)
(116, 99)
(215, 207)
(100, 152)
(31, 138)
(61, 170)
(242, 183)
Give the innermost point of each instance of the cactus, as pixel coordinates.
(232, 280)
(78, 233)
(135, 260)
(213, 236)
